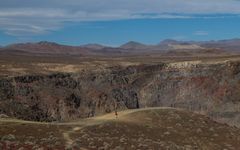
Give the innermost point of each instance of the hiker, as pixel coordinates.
(116, 114)
(115, 108)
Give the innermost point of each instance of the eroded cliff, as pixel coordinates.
(211, 88)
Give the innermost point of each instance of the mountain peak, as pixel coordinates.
(133, 45)
(47, 43)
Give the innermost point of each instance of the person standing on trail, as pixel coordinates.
(116, 113)
(115, 109)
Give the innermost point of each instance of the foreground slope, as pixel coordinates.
(149, 128)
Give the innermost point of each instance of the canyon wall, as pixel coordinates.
(208, 88)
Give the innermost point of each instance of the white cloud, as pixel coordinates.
(30, 17)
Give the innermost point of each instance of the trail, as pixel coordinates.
(101, 119)
(110, 116)
(88, 121)
(80, 124)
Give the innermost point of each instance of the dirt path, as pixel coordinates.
(99, 120)
(110, 116)
(75, 126)
(88, 121)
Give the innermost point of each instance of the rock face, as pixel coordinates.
(207, 88)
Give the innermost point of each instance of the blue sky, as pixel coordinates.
(114, 22)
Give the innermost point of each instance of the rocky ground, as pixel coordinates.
(153, 128)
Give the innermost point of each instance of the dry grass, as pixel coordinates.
(150, 128)
(11, 65)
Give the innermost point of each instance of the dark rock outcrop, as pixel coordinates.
(207, 88)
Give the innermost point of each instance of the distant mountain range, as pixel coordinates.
(45, 47)
(168, 46)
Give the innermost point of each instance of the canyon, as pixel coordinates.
(210, 87)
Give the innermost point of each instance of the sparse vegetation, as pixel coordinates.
(166, 129)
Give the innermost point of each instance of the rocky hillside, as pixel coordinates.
(208, 88)
(45, 47)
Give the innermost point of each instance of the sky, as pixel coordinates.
(114, 22)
